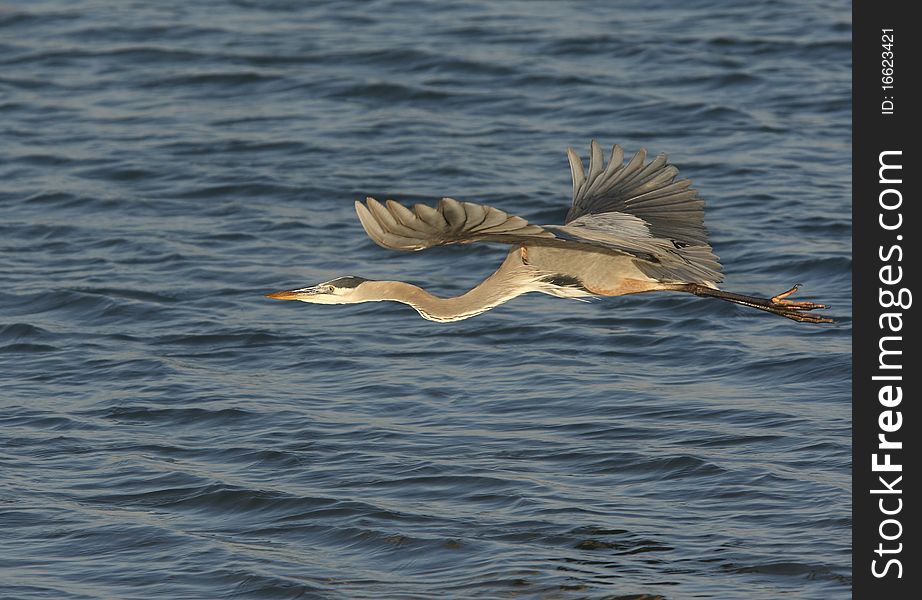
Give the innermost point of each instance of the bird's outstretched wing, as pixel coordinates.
(635, 210)
(668, 214)
(394, 226)
(671, 209)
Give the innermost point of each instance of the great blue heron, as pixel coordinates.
(631, 228)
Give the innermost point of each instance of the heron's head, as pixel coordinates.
(342, 290)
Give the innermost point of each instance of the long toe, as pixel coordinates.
(783, 295)
(803, 317)
(781, 301)
(797, 305)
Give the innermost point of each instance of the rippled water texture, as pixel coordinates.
(167, 432)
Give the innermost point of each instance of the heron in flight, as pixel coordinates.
(632, 228)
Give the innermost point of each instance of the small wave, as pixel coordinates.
(790, 569)
(246, 339)
(130, 294)
(22, 331)
(28, 348)
(254, 584)
(116, 172)
(252, 189)
(10, 17)
(392, 92)
(189, 416)
(217, 79)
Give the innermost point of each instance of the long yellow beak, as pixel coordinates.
(284, 295)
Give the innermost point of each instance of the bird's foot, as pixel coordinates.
(803, 317)
(795, 310)
(781, 302)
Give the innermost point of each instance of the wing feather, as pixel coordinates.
(383, 236)
(403, 215)
(494, 218)
(475, 215)
(596, 163)
(453, 213)
(389, 221)
(576, 170)
(429, 216)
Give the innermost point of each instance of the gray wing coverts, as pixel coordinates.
(635, 209)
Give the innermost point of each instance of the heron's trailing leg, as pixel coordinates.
(778, 305)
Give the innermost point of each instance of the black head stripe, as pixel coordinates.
(349, 281)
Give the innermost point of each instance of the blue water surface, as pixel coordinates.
(168, 432)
